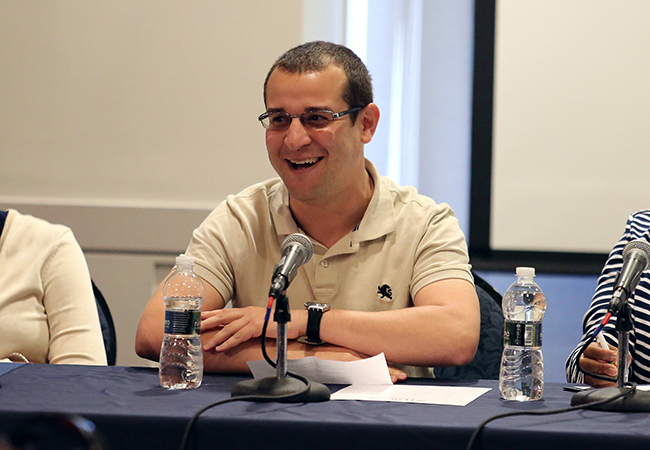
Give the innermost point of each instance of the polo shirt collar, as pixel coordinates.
(379, 218)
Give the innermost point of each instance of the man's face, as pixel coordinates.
(316, 165)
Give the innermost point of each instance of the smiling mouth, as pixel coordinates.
(304, 164)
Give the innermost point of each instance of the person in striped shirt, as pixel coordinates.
(603, 361)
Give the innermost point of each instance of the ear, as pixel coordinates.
(368, 119)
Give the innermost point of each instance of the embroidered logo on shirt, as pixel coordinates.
(384, 292)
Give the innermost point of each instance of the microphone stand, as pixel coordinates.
(638, 401)
(281, 388)
(624, 327)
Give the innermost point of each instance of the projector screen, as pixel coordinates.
(566, 159)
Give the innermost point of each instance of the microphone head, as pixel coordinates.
(302, 242)
(641, 248)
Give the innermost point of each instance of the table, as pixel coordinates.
(132, 411)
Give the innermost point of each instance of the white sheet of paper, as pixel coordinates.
(369, 371)
(370, 380)
(435, 395)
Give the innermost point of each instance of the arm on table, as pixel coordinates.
(150, 333)
(441, 329)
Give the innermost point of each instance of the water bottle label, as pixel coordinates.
(523, 334)
(183, 322)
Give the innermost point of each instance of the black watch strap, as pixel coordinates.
(313, 325)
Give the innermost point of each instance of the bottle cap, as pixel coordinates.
(526, 272)
(183, 260)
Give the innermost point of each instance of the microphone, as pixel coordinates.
(636, 259)
(623, 397)
(296, 251)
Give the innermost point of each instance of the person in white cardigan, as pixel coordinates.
(48, 312)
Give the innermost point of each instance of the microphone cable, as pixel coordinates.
(631, 386)
(290, 396)
(482, 425)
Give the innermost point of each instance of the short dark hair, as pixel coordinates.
(317, 56)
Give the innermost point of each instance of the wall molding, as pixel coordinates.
(121, 229)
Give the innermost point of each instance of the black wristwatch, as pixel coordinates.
(315, 312)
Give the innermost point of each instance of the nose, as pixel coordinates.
(297, 136)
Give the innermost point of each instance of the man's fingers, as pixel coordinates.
(234, 333)
(396, 374)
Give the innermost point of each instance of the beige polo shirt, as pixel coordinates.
(404, 242)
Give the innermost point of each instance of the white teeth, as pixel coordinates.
(306, 161)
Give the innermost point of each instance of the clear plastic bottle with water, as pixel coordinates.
(521, 376)
(181, 354)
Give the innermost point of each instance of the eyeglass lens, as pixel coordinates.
(281, 121)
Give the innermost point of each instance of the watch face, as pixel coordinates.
(317, 305)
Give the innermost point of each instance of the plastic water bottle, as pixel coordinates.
(181, 354)
(521, 376)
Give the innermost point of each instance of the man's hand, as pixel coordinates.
(228, 328)
(396, 374)
(601, 362)
(231, 327)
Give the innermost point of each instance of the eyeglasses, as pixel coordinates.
(281, 121)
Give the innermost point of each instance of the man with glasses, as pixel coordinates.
(390, 269)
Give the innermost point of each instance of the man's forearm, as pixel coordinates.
(419, 336)
(442, 330)
(234, 360)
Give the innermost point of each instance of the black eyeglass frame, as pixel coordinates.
(335, 116)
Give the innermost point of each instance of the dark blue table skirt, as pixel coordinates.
(7, 367)
(132, 411)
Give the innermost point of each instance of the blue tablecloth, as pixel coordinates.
(132, 411)
(8, 366)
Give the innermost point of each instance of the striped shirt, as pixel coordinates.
(637, 227)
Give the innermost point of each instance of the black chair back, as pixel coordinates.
(107, 325)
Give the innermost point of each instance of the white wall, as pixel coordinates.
(130, 120)
(145, 103)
